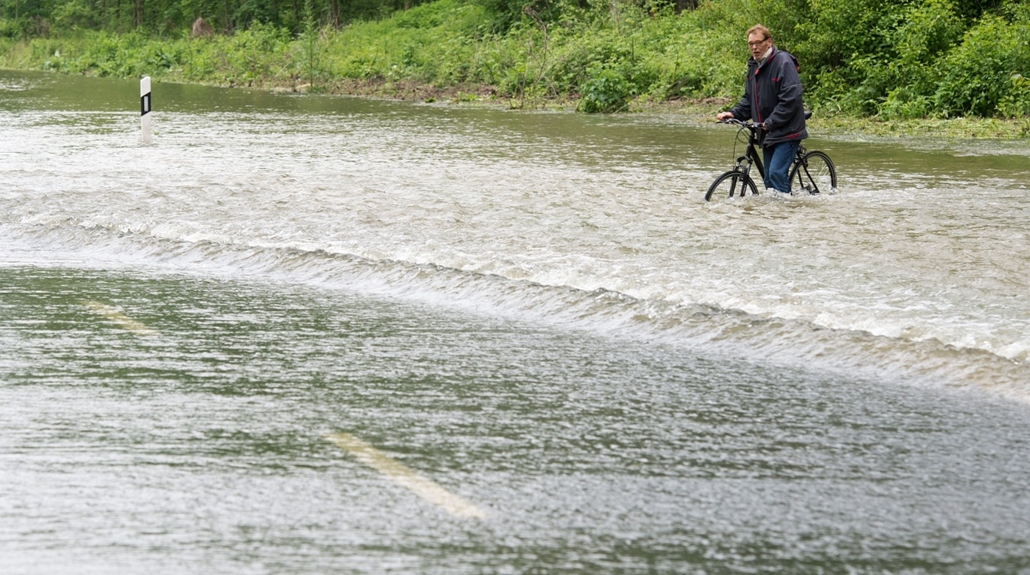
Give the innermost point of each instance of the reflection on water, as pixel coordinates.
(537, 312)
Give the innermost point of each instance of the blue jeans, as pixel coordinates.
(777, 159)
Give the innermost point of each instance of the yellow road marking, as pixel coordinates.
(405, 477)
(118, 317)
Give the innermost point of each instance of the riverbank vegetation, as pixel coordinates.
(883, 59)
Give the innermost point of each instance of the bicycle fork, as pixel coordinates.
(744, 165)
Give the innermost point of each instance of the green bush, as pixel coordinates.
(902, 81)
(978, 74)
(1017, 102)
(606, 91)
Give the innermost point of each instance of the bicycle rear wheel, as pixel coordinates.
(813, 174)
(729, 184)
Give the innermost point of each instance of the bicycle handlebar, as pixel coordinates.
(742, 123)
(750, 125)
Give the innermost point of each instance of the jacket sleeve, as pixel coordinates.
(742, 111)
(788, 101)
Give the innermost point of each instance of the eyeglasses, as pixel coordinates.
(758, 43)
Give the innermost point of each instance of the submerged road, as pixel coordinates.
(312, 335)
(178, 424)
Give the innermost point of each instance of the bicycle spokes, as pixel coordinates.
(805, 181)
(731, 184)
(813, 173)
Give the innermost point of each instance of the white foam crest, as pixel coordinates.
(704, 328)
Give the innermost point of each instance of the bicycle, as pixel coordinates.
(811, 171)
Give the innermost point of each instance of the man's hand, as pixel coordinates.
(723, 116)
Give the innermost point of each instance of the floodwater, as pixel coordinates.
(305, 334)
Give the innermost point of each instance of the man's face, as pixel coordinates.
(758, 44)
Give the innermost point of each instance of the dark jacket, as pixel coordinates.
(772, 95)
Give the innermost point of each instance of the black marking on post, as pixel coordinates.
(144, 104)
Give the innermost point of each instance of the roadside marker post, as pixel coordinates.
(144, 110)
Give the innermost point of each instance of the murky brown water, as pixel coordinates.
(537, 313)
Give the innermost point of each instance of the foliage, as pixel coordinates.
(1017, 102)
(605, 91)
(23, 18)
(986, 69)
(915, 58)
(892, 59)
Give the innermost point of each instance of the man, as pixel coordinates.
(772, 98)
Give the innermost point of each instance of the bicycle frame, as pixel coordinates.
(751, 156)
(810, 171)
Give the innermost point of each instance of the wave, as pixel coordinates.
(706, 329)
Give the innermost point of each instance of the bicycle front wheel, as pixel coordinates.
(729, 184)
(813, 174)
